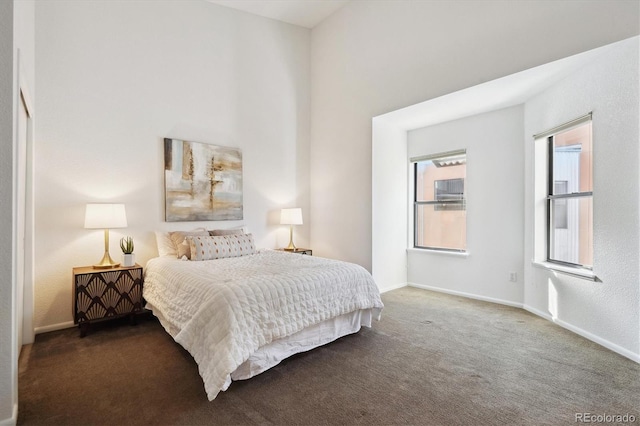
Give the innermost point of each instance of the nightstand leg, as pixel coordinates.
(84, 327)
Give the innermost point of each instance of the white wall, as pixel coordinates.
(115, 78)
(494, 200)
(389, 203)
(8, 395)
(606, 311)
(24, 39)
(373, 57)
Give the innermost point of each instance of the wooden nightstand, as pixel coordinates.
(298, 250)
(100, 294)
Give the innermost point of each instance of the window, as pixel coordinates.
(560, 210)
(440, 217)
(449, 190)
(569, 195)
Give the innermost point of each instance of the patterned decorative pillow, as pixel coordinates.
(179, 239)
(220, 247)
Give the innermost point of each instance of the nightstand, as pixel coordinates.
(100, 294)
(298, 250)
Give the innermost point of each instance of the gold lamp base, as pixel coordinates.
(291, 246)
(106, 262)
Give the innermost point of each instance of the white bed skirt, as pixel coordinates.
(311, 337)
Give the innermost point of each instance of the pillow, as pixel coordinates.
(178, 238)
(219, 232)
(238, 230)
(220, 247)
(165, 245)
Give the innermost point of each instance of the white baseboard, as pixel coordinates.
(467, 295)
(392, 287)
(54, 327)
(607, 344)
(599, 340)
(11, 421)
(590, 336)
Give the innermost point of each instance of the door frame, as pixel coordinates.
(24, 170)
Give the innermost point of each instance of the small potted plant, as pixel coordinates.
(128, 258)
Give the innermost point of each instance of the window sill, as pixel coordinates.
(576, 272)
(441, 252)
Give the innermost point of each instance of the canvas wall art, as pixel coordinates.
(202, 182)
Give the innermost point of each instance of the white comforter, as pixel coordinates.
(223, 310)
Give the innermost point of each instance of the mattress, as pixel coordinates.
(240, 316)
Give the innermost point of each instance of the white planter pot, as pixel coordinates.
(128, 259)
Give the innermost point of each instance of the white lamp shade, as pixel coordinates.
(105, 216)
(291, 216)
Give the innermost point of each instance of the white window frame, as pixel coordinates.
(543, 200)
(415, 203)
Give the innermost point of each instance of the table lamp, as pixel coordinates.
(105, 216)
(291, 217)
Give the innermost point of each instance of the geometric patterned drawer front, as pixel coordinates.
(100, 294)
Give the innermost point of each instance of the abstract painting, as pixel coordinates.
(202, 182)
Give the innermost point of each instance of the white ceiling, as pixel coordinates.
(305, 13)
(493, 95)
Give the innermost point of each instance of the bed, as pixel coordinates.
(239, 316)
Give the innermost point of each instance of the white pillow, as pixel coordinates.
(165, 245)
(220, 247)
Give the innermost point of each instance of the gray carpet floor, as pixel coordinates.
(433, 359)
